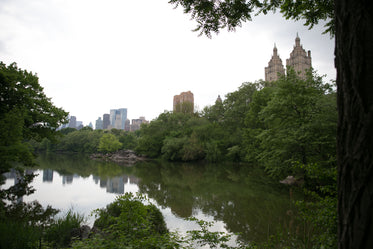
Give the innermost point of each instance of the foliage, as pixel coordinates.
(293, 122)
(83, 141)
(184, 107)
(25, 114)
(22, 224)
(59, 232)
(129, 223)
(109, 143)
(211, 16)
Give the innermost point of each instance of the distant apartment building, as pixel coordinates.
(79, 125)
(106, 121)
(99, 124)
(136, 123)
(184, 102)
(118, 118)
(128, 125)
(72, 122)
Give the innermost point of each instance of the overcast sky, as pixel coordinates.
(94, 55)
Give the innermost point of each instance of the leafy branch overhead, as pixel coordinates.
(213, 15)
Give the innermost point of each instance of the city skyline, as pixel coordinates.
(88, 65)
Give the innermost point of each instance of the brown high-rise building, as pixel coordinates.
(275, 67)
(184, 102)
(299, 60)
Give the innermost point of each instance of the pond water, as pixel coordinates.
(239, 198)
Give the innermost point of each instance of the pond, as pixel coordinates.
(239, 198)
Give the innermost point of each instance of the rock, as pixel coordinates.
(81, 232)
(128, 157)
(291, 180)
(85, 231)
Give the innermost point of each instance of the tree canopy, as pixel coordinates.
(25, 113)
(212, 15)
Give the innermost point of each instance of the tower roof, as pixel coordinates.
(297, 40)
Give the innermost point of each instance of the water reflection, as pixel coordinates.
(112, 185)
(240, 198)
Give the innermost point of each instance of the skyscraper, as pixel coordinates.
(72, 122)
(118, 118)
(106, 121)
(99, 124)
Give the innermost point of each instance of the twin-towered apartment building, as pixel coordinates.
(299, 60)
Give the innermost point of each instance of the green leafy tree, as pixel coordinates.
(109, 143)
(185, 107)
(129, 139)
(84, 141)
(300, 120)
(25, 113)
(212, 16)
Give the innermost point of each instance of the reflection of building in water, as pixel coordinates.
(96, 179)
(67, 179)
(115, 185)
(134, 179)
(14, 174)
(103, 183)
(47, 175)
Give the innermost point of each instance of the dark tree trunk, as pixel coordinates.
(354, 62)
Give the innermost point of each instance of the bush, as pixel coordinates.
(59, 233)
(129, 223)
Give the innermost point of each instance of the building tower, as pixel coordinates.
(99, 124)
(218, 100)
(118, 118)
(184, 102)
(275, 67)
(72, 122)
(106, 121)
(299, 60)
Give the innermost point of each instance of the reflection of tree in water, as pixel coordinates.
(242, 197)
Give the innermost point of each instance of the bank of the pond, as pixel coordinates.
(127, 157)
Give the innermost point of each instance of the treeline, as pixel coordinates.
(282, 126)
(285, 126)
(87, 140)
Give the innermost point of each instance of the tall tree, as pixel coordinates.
(25, 113)
(354, 62)
(352, 21)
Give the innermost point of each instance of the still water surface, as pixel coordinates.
(239, 198)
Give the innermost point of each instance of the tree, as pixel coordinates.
(352, 22)
(25, 113)
(300, 124)
(354, 62)
(109, 143)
